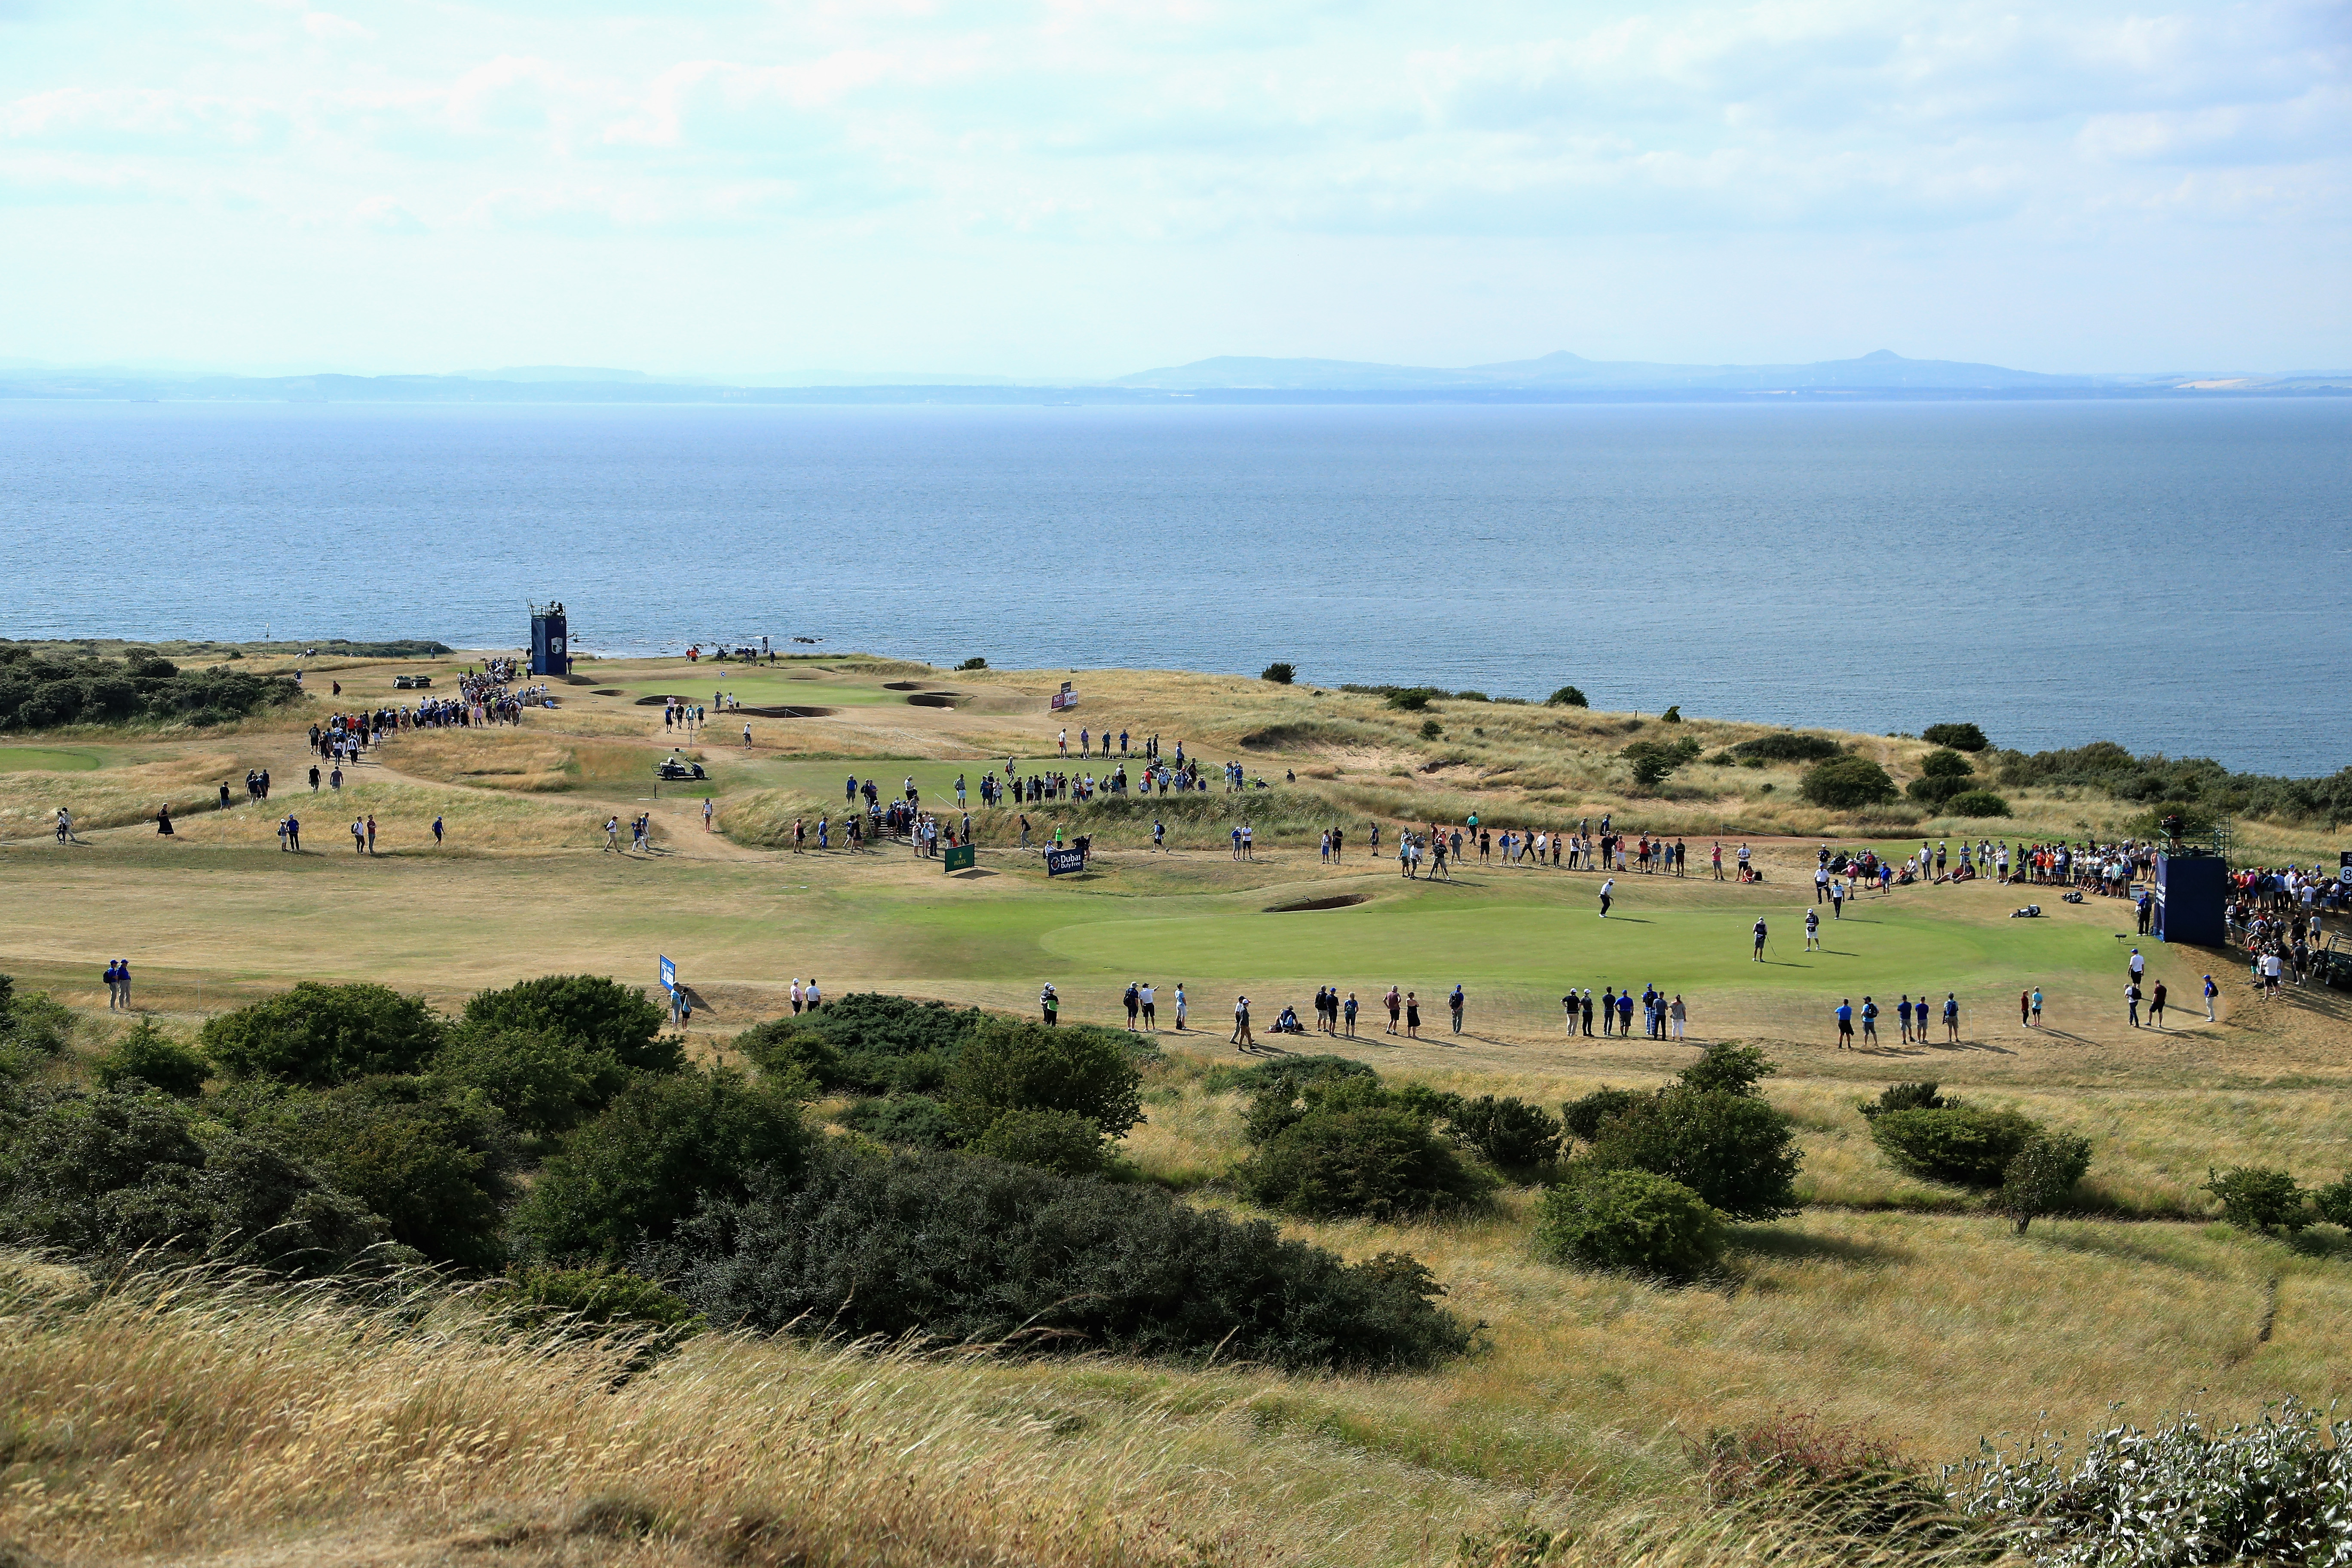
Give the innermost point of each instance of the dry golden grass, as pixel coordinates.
(529, 761)
(110, 798)
(473, 820)
(198, 1419)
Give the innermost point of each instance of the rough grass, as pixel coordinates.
(112, 797)
(525, 761)
(472, 820)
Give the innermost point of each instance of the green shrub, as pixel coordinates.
(960, 1249)
(1431, 730)
(1508, 1132)
(1955, 1143)
(42, 691)
(1025, 1065)
(1631, 1220)
(1959, 737)
(1977, 803)
(1279, 673)
(907, 1120)
(1567, 696)
(1379, 1162)
(1584, 1115)
(1946, 764)
(35, 1022)
(111, 1176)
(594, 1012)
(1294, 1073)
(1907, 1096)
(664, 1146)
(594, 1301)
(2333, 1203)
(1931, 790)
(320, 1035)
(1672, 716)
(879, 1044)
(973, 663)
(1842, 783)
(545, 1083)
(145, 1054)
(1653, 761)
(1788, 746)
(2038, 1180)
(1729, 1067)
(1282, 1101)
(1735, 1151)
(1054, 1141)
(436, 1165)
(2258, 1198)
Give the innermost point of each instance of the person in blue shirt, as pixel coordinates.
(1902, 1014)
(1625, 1012)
(1845, 1023)
(1951, 1017)
(1870, 1020)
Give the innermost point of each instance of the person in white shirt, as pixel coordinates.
(1151, 1012)
(1608, 888)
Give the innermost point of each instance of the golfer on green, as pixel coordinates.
(1760, 942)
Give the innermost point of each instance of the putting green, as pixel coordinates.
(1398, 937)
(763, 690)
(47, 759)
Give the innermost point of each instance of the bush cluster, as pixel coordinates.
(960, 1248)
(1629, 1220)
(43, 691)
(1844, 782)
(1957, 737)
(2032, 1168)
(1788, 746)
(2196, 783)
(1711, 1131)
(1343, 1143)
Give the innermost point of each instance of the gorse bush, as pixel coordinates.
(1583, 1117)
(40, 692)
(437, 1167)
(1959, 737)
(1977, 803)
(1278, 672)
(2278, 1490)
(1627, 1219)
(2258, 1198)
(2198, 782)
(1008, 1066)
(1293, 1072)
(594, 1012)
(643, 1165)
(1934, 790)
(1735, 1151)
(1946, 764)
(1381, 1162)
(2333, 1203)
(960, 1248)
(1955, 1143)
(907, 1120)
(1905, 1097)
(1056, 1141)
(1652, 760)
(1729, 1067)
(594, 1300)
(867, 1043)
(1508, 1132)
(1567, 696)
(543, 1082)
(107, 1176)
(317, 1034)
(145, 1054)
(1843, 782)
(1788, 746)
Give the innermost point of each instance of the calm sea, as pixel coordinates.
(2176, 577)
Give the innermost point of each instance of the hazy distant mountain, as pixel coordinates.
(553, 373)
(1883, 369)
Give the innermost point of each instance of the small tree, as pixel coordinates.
(1959, 737)
(973, 664)
(1567, 696)
(2333, 1201)
(1946, 764)
(1729, 1067)
(1278, 672)
(2258, 1198)
(1431, 728)
(1842, 783)
(1737, 1151)
(1672, 716)
(1955, 1143)
(2041, 1175)
(1652, 760)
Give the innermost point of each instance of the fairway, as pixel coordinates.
(47, 759)
(1399, 937)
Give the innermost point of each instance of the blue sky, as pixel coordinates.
(1078, 188)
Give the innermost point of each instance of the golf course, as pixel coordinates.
(1894, 1308)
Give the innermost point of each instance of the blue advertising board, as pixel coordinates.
(1059, 861)
(669, 975)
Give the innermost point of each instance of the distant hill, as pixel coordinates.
(1565, 370)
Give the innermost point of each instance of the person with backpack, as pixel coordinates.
(1454, 1004)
